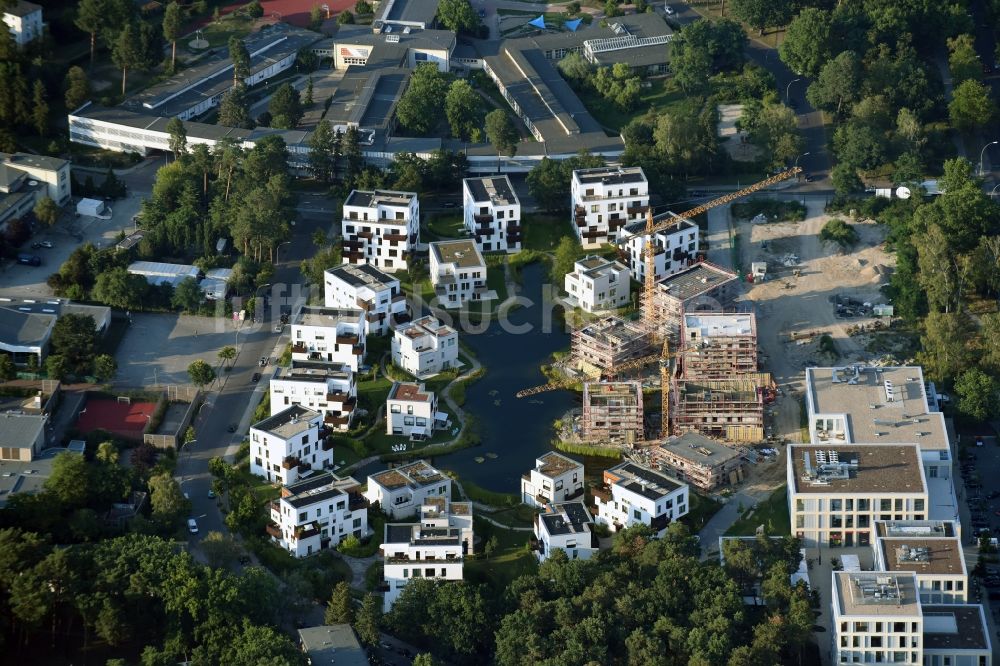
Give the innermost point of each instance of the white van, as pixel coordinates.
(192, 526)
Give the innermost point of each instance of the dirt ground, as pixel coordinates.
(794, 310)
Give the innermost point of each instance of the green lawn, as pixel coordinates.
(772, 513)
(510, 560)
(658, 99)
(218, 32)
(543, 232)
(445, 226)
(700, 510)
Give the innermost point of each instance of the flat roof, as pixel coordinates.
(22, 8)
(861, 393)
(426, 325)
(463, 253)
(306, 371)
(20, 431)
(319, 316)
(872, 593)
(288, 423)
(409, 11)
(26, 477)
(373, 198)
(694, 281)
(363, 275)
(915, 528)
(860, 468)
(55, 306)
(416, 474)
(613, 331)
(721, 324)
(681, 224)
(25, 329)
(29, 160)
(494, 189)
(317, 488)
(923, 556)
(595, 266)
(610, 176)
(642, 480)
(553, 464)
(566, 518)
(333, 644)
(410, 392)
(697, 448)
(955, 627)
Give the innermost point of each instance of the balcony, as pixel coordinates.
(299, 348)
(327, 444)
(358, 350)
(603, 494)
(581, 221)
(336, 421)
(273, 531)
(347, 339)
(483, 219)
(349, 405)
(396, 238)
(660, 522)
(513, 229)
(356, 502)
(353, 245)
(306, 531)
(354, 257)
(399, 298)
(636, 210)
(291, 462)
(430, 561)
(338, 397)
(363, 304)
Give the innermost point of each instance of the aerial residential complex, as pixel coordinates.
(424, 347)
(317, 512)
(565, 526)
(612, 413)
(412, 411)
(286, 446)
(401, 491)
(380, 228)
(604, 200)
(633, 494)
(675, 248)
(363, 286)
(554, 479)
(458, 273)
(492, 213)
(329, 388)
(597, 284)
(334, 335)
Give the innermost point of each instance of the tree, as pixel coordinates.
(761, 14)
(167, 500)
(77, 88)
(501, 133)
(566, 254)
(617, 84)
(234, 110)
(362, 7)
(315, 18)
(345, 18)
(56, 366)
(368, 620)
(845, 179)
(774, 129)
(424, 659)
(839, 232)
(201, 373)
(69, 481)
(308, 97)
(692, 65)
(860, 146)
(178, 136)
(173, 22)
(945, 353)
(340, 609)
(839, 82)
(963, 61)
(46, 211)
(463, 108)
(971, 107)
(254, 9)
(457, 16)
(491, 546)
(127, 51)
(227, 353)
(40, 109)
(241, 60)
(322, 162)
(187, 295)
(105, 367)
(977, 392)
(74, 336)
(220, 550)
(90, 18)
(806, 47)
(549, 185)
(8, 370)
(419, 108)
(285, 107)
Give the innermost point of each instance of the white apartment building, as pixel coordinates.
(458, 273)
(554, 479)
(412, 411)
(634, 494)
(606, 199)
(568, 527)
(24, 21)
(328, 388)
(53, 171)
(317, 512)
(363, 286)
(433, 548)
(877, 618)
(956, 635)
(837, 492)
(400, 491)
(598, 284)
(381, 228)
(930, 549)
(887, 405)
(287, 445)
(675, 248)
(492, 213)
(333, 335)
(424, 347)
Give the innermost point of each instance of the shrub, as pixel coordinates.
(839, 232)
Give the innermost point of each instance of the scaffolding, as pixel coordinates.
(703, 287)
(612, 412)
(607, 343)
(718, 345)
(702, 462)
(728, 409)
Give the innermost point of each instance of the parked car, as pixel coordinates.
(47, 245)
(192, 526)
(211, 494)
(255, 378)
(232, 427)
(29, 260)
(668, 10)
(263, 361)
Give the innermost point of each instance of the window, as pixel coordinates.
(357, 522)
(409, 409)
(302, 516)
(395, 409)
(636, 514)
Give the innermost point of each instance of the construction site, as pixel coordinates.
(730, 409)
(612, 413)
(603, 346)
(718, 344)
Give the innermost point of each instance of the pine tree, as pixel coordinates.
(40, 112)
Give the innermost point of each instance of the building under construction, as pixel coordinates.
(603, 345)
(700, 461)
(718, 345)
(612, 413)
(729, 409)
(704, 287)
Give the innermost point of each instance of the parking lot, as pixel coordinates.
(982, 486)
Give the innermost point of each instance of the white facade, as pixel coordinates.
(52, 171)
(24, 21)
(286, 446)
(604, 200)
(366, 287)
(492, 213)
(956, 635)
(598, 284)
(380, 228)
(554, 479)
(567, 527)
(333, 335)
(316, 513)
(458, 273)
(675, 248)
(327, 388)
(635, 494)
(424, 347)
(877, 618)
(435, 547)
(401, 491)
(412, 411)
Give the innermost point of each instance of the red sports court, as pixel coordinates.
(118, 417)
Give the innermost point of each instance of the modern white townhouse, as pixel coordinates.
(458, 273)
(287, 445)
(956, 635)
(317, 512)
(424, 347)
(606, 199)
(412, 411)
(598, 284)
(877, 618)
(675, 248)
(837, 492)
(24, 21)
(887, 405)
(328, 388)
(400, 491)
(554, 479)
(333, 335)
(492, 213)
(434, 548)
(634, 494)
(930, 549)
(380, 228)
(378, 294)
(567, 526)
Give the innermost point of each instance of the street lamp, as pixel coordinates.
(800, 157)
(983, 152)
(788, 87)
(277, 249)
(992, 192)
